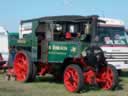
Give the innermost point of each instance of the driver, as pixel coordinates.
(107, 40)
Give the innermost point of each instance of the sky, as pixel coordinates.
(13, 11)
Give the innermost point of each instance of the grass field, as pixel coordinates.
(48, 87)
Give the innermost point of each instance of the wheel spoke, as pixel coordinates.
(75, 84)
(67, 75)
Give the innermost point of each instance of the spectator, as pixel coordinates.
(12, 54)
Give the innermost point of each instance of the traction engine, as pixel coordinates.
(62, 58)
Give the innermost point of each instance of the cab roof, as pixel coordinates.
(63, 18)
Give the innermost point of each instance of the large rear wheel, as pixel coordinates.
(108, 77)
(23, 67)
(73, 78)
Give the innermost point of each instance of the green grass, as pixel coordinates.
(47, 86)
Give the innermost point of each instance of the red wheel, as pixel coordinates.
(73, 78)
(108, 77)
(23, 67)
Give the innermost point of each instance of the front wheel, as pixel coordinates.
(108, 76)
(73, 78)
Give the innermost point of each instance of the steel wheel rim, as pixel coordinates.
(21, 67)
(107, 78)
(71, 79)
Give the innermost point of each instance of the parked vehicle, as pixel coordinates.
(3, 47)
(114, 42)
(65, 47)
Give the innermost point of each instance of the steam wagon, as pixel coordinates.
(66, 47)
